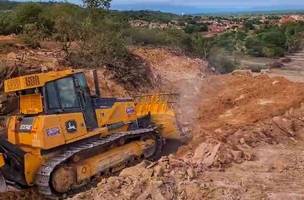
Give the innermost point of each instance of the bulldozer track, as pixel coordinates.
(43, 177)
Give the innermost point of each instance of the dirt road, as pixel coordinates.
(293, 70)
(276, 174)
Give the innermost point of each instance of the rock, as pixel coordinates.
(114, 182)
(285, 60)
(139, 170)
(181, 174)
(158, 171)
(157, 184)
(280, 165)
(191, 173)
(265, 71)
(152, 192)
(276, 64)
(44, 69)
(11, 56)
(245, 72)
(237, 155)
(242, 141)
(193, 191)
(206, 154)
(248, 156)
(285, 125)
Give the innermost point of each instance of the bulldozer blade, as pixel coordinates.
(3, 186)
(168, 125)
(160, 108)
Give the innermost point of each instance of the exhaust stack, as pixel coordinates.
(96, 83)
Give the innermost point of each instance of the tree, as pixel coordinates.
(201, 46)
(29, 13)
(93, 4)
(254, 46)
(275, 38)
(248, 24)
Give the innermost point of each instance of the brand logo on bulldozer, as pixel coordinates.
(71, 126)
(52, 131)
(130, 110)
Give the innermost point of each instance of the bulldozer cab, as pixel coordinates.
(70, 94)
(59, 93)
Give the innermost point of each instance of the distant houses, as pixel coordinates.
(217, 25)
(291, 18)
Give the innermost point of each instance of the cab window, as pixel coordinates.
(61, 96)
(67, 93)
(52, 98)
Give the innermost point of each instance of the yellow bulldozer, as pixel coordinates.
(63, 136)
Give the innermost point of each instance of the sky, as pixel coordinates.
(208, 6)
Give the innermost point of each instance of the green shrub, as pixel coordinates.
(32, 35)
(222, 61)
(273, 52)
(8, 24)
(156, 37)
(274, 38)
(200, 46)
(254, 46)
(195, 28)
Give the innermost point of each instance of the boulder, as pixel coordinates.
(237, 155)
(285, 60)
(158, 171)
(206, 154)
(245, 72)
(11, 56)
(285, 125)
(276, 64)
(139, 170)
(191, 173)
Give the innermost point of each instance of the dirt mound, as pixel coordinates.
(169, 178)
(234, 109)
(200, 173)
(236, 101)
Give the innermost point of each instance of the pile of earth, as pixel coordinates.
(229, 105)
(187, 177)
